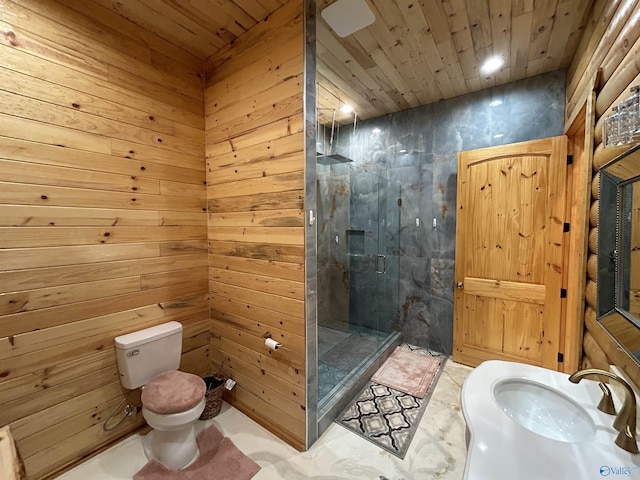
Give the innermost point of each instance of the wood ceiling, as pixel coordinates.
(420, 51)
(201, 27)
(416, 52)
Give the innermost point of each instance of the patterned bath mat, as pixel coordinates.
(386, 417)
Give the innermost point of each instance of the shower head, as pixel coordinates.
(332, 159)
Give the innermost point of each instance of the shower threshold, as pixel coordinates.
(331, 404)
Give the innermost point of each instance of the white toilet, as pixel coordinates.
(172, 401)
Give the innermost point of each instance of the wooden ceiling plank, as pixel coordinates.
(417, 26)
(432, 58)
(329, 98)
(500, 12)
(344, 92)
(389, 13)
(377, 41)
(217, 24)
(356, 50)
(398, 97)
(142, 16)
(520, 34)
(534, 67)
(566, 14)
(333, 45)
(479, 17)
(436, 18)
(503, 76)
(287, 19)
(349, 85)
(543, 24)
(480, 23)
(203, 40)
(253, 8)
(579, 27)
(388, 69)
(459, 25)
(271, 5)
(405, 50)
(440, 33)
(466, 53)
(520, 7)
(452, 65)
(329, 66)
(235, 18)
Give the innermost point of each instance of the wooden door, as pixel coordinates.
(509, 253)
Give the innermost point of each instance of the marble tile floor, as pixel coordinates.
(437, 452)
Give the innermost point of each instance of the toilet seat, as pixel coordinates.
(173, 421)
(173, 392)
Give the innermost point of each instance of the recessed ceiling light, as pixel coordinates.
(348, 16)
(491, 65)
(376, 130)
(495, 103)
(346, 108)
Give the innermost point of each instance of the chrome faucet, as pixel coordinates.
(625, 422)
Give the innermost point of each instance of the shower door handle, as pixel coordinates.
(384, 263)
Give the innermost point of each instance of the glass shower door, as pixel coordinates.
(358, 228)
(373, 250)
(387, 273)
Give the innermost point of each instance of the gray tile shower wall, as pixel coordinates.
(418, 149)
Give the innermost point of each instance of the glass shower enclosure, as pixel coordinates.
(357, 259)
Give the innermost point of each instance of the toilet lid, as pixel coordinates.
(173, 392)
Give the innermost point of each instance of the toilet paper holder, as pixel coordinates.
(270, 342)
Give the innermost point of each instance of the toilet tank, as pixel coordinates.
(143, 354)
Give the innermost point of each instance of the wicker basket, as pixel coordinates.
(213, 396)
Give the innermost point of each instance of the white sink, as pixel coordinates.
(528, 423)
(544, 411)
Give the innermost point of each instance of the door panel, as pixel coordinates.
(509, 241)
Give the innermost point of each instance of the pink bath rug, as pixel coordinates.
(219, 458)
(408, 371)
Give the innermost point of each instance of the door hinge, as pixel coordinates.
(569, 159)
(399, 202)
(566, 227)
(560, 357)
(563, 293)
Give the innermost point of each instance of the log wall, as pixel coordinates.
(607, 60)
(103, 228)
(255, 193)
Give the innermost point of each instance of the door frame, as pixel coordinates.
(580, 131)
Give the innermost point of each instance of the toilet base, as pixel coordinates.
(175, 449)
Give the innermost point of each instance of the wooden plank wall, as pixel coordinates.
(103, 226)
(607, 57)
(255, 192)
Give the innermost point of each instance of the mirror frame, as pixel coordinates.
(616, 178)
